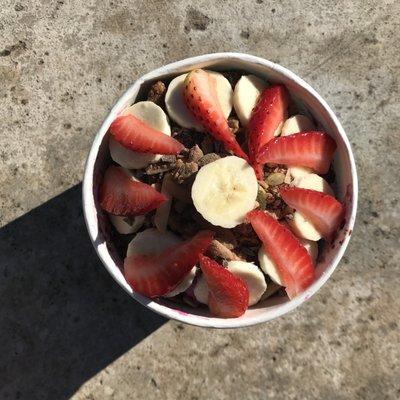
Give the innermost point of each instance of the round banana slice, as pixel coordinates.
(245, 95)
(303, 228)
(269, 267)
(176, 106)
(126, 225)
(154, 116)
(224, 191)
(314, 182)
(253, 277)
(297, 123)
(152, 241)
(200, 291)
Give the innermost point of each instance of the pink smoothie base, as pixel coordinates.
(344, 167)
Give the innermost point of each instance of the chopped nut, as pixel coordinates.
(234, 125)
(157, 92)
(261, 196)
(159, 168)
(288, 178)
(272, 288)
(184, 170)
(195, 153)
(208, 158)
(169, 158)
(218, 250)
(275, 179)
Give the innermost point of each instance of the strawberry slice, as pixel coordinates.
(304, 149)
(323, 210)
(119, 194)
(154, 275)
(200, 96)
(294, 264)
(228, 294)
(266, 116)
(135, 135)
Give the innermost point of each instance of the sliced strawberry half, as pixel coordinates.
(305, 149)
(321, 209)
(200, 96)
(292, 260)
(154, 275)
(135, 135)
(120, 194)
(228, 294)
(266, 116)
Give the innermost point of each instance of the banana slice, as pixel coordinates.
(249, 272)
(200, 291)
(245, 95)
(176, 106)
(268, 266)
(303, 228)
(297, 123)
(154, 116)
(253, 277)
(224, 191)
(126, 225)
(314, 182)
(299, 172)
(152, 241)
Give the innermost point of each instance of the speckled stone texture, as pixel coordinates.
(66, 329)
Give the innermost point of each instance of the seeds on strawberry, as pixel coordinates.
(228, 294)
(135, 135)
(120, 194)
(201, 99)
(154, 275)
(268, 114)
(321, 209)
(293, 262)
(305, 149)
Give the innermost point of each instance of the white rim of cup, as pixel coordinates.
(91, 215)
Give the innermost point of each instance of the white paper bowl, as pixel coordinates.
(344, 166)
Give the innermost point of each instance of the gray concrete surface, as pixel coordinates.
(66, 330)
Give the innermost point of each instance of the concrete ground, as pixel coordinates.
(66, 329)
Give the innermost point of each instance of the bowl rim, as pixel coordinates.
(91, 219)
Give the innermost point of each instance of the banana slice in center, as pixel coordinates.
(224, 191)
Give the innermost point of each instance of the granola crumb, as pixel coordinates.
(157, 92)
(195, 154)
(234, 125)
(184, 170)
(208, 158)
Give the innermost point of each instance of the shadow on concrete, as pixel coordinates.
(62, 317)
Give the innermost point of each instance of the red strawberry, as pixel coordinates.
(154, 275)
(135, 135)
(305, 149)
(228, 294)
(201, 98)
(266, 116)
(292, 260)
(120, 195)
(323, 210)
